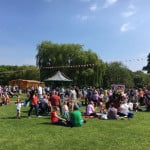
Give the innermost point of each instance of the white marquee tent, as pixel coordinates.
(59, 76)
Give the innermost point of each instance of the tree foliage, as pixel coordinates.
(117, 73)
(102, 74)
(18, 72)
(50, 54)
(147, 67)
(141, 79)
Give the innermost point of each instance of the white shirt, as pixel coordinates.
(40, 90)
(124, 109)
(130, 105)
(65, 109)
(18, 106)
(73, 95)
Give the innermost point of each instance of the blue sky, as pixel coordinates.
(117, 30)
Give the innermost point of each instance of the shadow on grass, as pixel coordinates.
(25, 111)
(46, 123)
(13, 117)
(47, 118)
(50, 124)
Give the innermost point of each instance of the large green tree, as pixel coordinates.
(50, 54)
(147, 67)
(117, 73)
(141, 79)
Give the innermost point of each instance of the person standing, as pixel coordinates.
(55, 101)
(40, 91)
(34, 104)
(73, 96)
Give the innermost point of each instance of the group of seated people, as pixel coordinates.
(75, 119)
(111, 113)
(4, 100)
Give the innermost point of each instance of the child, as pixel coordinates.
(104, 115)
(135, 105)
(65, 111)
(102, 107)
(18, 105)
(55, 119)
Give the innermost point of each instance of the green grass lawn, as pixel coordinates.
(39, 134)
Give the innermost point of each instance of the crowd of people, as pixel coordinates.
(63, 104)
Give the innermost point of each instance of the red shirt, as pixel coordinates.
(8, 100)
(34, 100)
(54, 119)
(55, 100)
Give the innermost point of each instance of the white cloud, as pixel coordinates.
(93, 7)
(128, 13)
(125, 27)
(82, 17)
(109, 3)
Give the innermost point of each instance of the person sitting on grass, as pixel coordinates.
(124, 110)
(76, 118)
(7, 99)
(102, 107)
(55, 119)
(4, 100)
(112, 112)
(65, 111)
(90, 109)
(135, 105)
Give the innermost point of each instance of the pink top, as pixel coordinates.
(141, 94)
(90, 109)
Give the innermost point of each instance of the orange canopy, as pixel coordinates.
(24, 84)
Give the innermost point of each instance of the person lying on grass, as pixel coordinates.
(55, 119)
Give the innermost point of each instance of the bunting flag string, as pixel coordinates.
(76, 66)
(133, 60)
(69, 66)
(52, 67)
